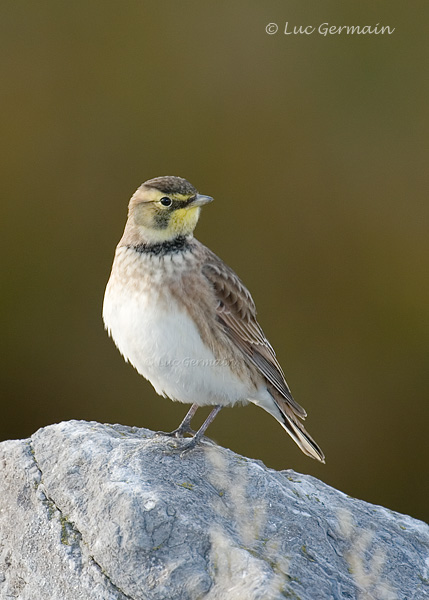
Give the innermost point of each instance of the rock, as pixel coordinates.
(106, 512)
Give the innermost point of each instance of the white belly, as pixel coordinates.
(166, 348)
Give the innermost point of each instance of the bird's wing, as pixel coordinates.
(236, 312)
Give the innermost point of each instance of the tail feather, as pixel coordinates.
(289, 419)
(300, 436)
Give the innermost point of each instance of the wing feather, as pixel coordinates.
(236, 312)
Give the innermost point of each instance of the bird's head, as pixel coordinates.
(164, 208)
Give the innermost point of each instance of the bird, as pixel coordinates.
(184, 319)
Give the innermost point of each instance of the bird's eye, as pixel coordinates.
(166, 201)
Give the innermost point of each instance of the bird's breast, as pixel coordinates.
(155, 332)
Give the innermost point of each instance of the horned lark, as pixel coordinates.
(184, 319)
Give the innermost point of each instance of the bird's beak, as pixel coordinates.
(200, 200)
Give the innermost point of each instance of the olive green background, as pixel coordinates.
(316, 152)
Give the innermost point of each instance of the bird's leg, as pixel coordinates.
(185, 425)
(200, 433)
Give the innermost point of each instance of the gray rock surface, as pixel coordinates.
(91, 511)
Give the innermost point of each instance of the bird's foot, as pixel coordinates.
(189, 446)
(180, 432)
(186, 428)
(193, 443)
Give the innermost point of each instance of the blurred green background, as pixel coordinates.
(316, 151)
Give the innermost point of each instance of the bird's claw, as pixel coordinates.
(177, 433)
